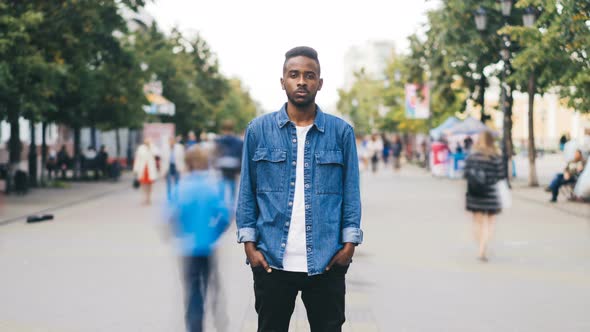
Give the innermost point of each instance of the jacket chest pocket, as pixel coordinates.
(271, 168)
(329, 168)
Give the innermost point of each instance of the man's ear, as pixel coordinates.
(320, 84)
(282, 83)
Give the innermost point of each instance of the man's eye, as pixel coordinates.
(293, 75)
(310, 76)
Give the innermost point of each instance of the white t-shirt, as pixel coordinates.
(295, 258)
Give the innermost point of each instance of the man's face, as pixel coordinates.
(301, 80)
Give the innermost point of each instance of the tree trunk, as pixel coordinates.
(43, 152)
(14, 144)
(508, 123)
(33, 156)
(129, 149)
(77, 153)
(118, 143)
(506, 126)
(482, 99)
(533, 181)
(93, 137)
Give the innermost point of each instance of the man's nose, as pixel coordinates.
(301, 81)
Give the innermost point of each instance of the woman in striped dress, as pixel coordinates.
(483, 170)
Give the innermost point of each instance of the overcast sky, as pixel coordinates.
(250, 38)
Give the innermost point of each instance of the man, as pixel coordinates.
(570, 175)
(299, 204)
(172, 165)
(229, 150)
(191, 140)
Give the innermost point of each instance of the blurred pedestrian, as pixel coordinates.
(102, 161)
(483, 170)
(361, 146)
(191, 139)
(375, 148)
(396, 151)
(299, 205)
(386, 149)
(570, 175)
(64, 161)
(172, 165)
(229, 158)
(199, 217)
(562, 140)
(144, 167)
(468, 143)
(51, 164)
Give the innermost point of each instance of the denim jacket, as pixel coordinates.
(331, 190)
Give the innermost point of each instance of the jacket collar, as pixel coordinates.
(283, 118)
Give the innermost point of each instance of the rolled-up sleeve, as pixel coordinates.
(247, 212)
(351, 200)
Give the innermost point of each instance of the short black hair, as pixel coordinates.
(305, 51)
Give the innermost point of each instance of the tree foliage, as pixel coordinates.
(556, 49)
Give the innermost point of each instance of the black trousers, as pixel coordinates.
(322, 295)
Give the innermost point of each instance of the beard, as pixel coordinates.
(302, 102)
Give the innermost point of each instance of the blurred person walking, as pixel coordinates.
(172, 165)
(199, 216)
(102, 161)
(144, 167)
(191, 139)
(64, 161)
(483, 170)
(299, 205)
(361, 146)
(386, 149)
(229, 158)
(396, 151)
(375, 148)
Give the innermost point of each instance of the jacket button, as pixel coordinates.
(283, 245)
(294, 163)
(294, 140)
(290, 203)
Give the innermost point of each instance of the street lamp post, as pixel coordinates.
(481, 22)
(481, 25)
(528, 19)
(506, 9)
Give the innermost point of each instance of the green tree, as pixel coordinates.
(237, 105)
(553, 54)
(26, 77)
(361, 102)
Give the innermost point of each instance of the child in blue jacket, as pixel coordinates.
(199, 216)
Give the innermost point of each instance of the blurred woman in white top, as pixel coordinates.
(144, 167)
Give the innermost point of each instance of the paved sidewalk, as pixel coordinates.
(15, 208)
(103, 265)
